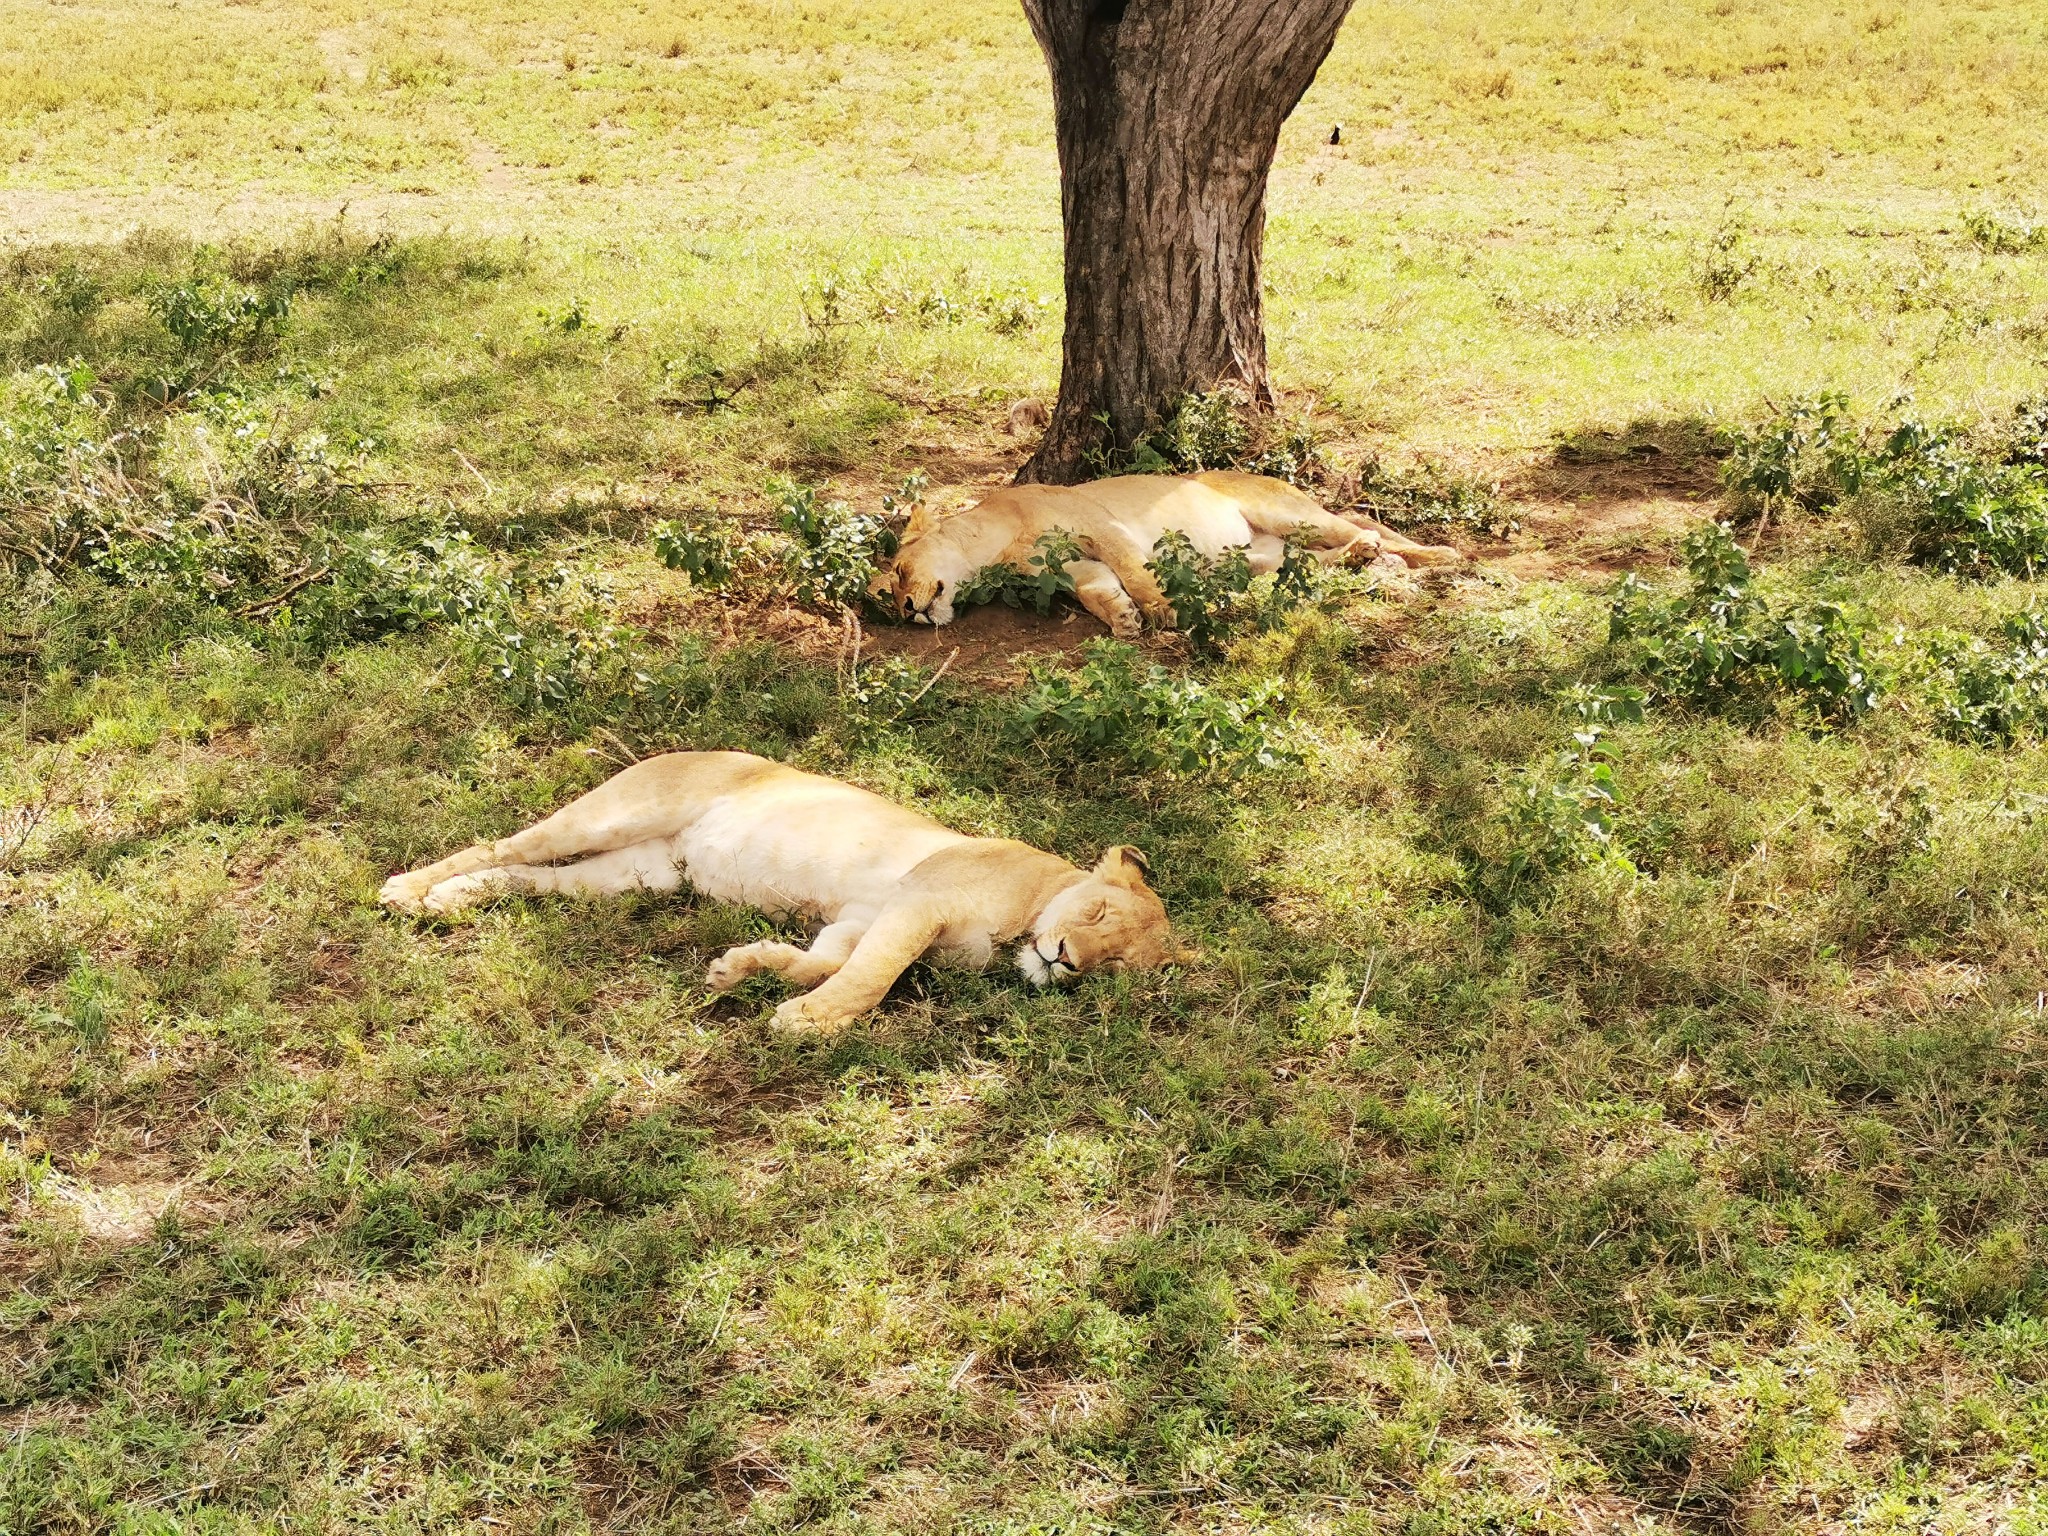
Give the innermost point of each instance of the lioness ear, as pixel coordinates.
(1124, 865)
(923, 520)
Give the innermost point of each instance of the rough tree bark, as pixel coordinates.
(1167, 114)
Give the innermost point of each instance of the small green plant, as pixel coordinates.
(1113, 707)
(1993, 692)
(1204, 593)
(1042, 582)
(882, 691)
(1966, 512)
(1970, 504)
(835, 551)
(1720, 644)
(211, 315)
(72, 291)
(1297, 581)
(908, 496)
(1221, 430)
(1568, 817)
(1724, 263)
(1810, 453)
(1211, 598)
(1429, 495)
(1010, 314)
(570, 320)
(1204, 431)
(2027, 434)
(54, 437)
(701, 383)
(2006, 234)
(706, 550)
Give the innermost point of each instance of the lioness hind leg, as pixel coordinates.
(1405, 549)
(1265, 553)
(652, 799)
(642, 867)
(1097, 589)
(806, 967)
(1330, 539)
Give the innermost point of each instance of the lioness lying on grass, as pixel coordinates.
(1118, 524)
(890, 884)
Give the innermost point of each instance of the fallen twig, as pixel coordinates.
(300, 585)
(933, 681)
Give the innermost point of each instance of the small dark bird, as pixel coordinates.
(1336, 133)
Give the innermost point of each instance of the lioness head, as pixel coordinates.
(1109, 921)
(936, 558)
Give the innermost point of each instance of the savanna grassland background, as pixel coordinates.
(1612, 1093)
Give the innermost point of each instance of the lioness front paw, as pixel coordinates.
(730, 969)
(403, 893)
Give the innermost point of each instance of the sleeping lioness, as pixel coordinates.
(890, 884)
(1118, 523)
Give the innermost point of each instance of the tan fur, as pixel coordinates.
(1118, 524)
(889, 884)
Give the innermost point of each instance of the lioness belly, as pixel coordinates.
(818, 857)
(1147, 507)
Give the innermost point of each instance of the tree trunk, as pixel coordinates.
(1167, 113)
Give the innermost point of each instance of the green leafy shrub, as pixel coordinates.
(61, 480)
(1720, 644)
(1114, 707)
(1811, 452)
(1429, 495)
(557, 660)
(1043, 580)
(1965, 512)
(1204, 431)
(1202, 592)
(1992, 692)
(2008, 234)
(376, 583)
(882, 691)
(706, 551)
(50, 422)
(208, 314)
(570, 320)
(2027, 434)
(1211, 598)
(1938, 495)
(541, 632)
(1220, 429)
(1568, 817)
(835, 551)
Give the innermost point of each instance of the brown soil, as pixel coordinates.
(1599, 517)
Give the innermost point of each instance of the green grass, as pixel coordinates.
(1478, 1178)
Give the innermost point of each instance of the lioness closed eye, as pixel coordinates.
(890, 884)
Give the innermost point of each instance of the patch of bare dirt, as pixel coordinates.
(992, 643)
(111, 1210)
(1595, 513)
(339, 53)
